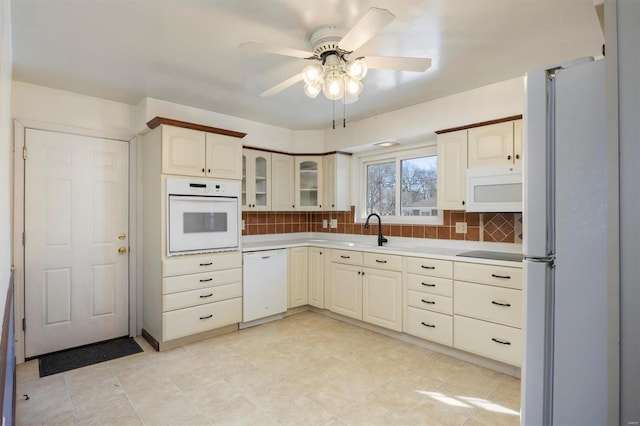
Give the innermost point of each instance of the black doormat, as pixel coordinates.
(82, 356)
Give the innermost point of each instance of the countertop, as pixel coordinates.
(434, 249)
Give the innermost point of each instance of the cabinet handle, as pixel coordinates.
(427, 325)
(381, 261)
(506, 277)
(293, 206)
(508, 157)
(208, 170)
(359, 272)
(206, 295)
(362, 272)
(428, 302)
(333, 205)
(427, 267)
(428, 285)
(345, 257)
(501, 304)
(207, 317)
(320, 206)
(502, 342)
(463, 203)
(202, 170)
(517, 156)
(206, 264)
(206, 280)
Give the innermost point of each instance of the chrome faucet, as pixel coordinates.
(381, 239)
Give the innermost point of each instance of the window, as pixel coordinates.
(401, 186)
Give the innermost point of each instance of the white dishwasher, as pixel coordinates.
(264, 284)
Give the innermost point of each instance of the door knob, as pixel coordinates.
(122, 236)
(122, 250)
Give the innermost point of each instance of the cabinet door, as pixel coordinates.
(491, 146)
(316, 277)
(282, 182)
(329, 183)
(452, 169)
(345, 290)
(183, 151)
(256, 180)
(382, 298)
(223, 156)
(517, 142)
(297, 276)
(335, 187)
(308, 183)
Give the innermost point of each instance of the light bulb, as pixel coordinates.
(312, 73)
(333, 87)
(356, 69)
(353, 87)
(312, 89)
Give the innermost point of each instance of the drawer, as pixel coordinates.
(196, 281)
(502, 276)
(433, 285)
(493, 341)
(191, 264)
(188, 321)
(495, 304)
(432, 302)
(430, 267)
(171, 302)
(347, 257)
(430, 326)
(382, 261)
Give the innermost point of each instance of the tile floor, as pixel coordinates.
(303, 370)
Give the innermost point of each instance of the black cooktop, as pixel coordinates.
(493, 255)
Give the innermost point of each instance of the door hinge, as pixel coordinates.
(24, 325)
(24, 152)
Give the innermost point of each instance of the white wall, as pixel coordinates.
(6, 144)
(418, 122)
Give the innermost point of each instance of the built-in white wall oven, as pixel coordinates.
(202, 216)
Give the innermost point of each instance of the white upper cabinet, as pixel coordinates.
(223, 157)
(308, 183)
(183, 151)
(337, 173)
(256, 180)
(495, 145)
(189, 152)
(452, 167)
(282, 182)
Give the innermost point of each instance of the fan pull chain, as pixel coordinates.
(333, 105)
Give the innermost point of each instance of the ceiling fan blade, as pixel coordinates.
(281, 86)
(398, 63)
(371, 22)
(286, 51)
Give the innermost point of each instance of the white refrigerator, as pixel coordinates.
(564, 371)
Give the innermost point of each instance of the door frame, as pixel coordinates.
(135, 293)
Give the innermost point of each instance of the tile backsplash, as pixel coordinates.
(493, 227)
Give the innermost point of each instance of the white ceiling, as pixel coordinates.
(186, 51)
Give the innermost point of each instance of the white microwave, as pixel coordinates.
(202, 216)
(494, 189)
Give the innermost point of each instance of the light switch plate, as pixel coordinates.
(461, 227)
(324, 223)
(334, 223)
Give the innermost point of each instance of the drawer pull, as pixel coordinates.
(345, 257)
(506, 277)
(207, 317)
(206, 295)
(206, 280)
(381, 261)
(502, 342)
(501, 304)
(428, 302)
(428, 325)
(206, 264)
(428, 285)
(427, 267)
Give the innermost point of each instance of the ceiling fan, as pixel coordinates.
(335, 73)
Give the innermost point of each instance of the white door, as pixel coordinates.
(76, 220)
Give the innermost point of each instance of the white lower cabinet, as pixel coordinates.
(429, 325)
(197, 319)
(345, 290)
(488, 339)
(298, 258)
(316, 277)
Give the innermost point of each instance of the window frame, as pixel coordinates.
(396, 156)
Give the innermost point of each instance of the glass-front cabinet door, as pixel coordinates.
(309, 183)
(256, 180)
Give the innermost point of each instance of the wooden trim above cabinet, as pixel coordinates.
(155, 122)
(273, 151)
(484, 123)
